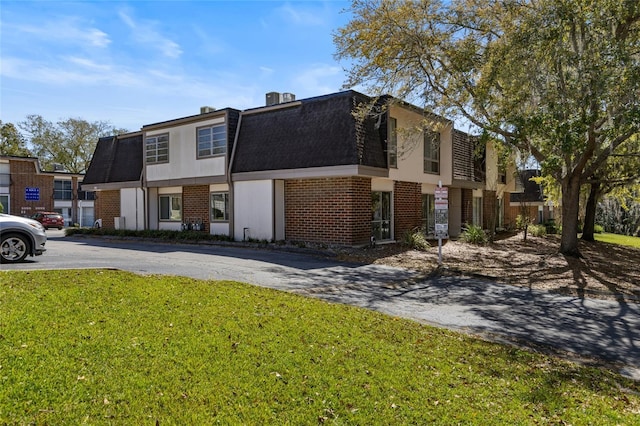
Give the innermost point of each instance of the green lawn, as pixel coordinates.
(105, 347)
(623, 240)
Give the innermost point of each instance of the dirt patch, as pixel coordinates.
(604, 271)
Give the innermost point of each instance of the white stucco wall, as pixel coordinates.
(411, 149)
(132, 208)
(279, 210)
(183, 162)
(254, 210)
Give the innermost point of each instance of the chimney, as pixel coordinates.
(206, 109)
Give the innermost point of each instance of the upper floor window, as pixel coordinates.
(219, 206)
(5, 179)
(157, 149)
(392, 143)
(212, 141)
(62, 190)
(431, 152)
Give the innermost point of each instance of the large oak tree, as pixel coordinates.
(69, 143)
(557, 78)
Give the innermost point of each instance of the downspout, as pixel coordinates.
(145, 194)
(230, 181)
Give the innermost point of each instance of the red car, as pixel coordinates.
(49, 219)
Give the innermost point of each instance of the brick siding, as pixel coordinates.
(332, 211)
(24, 175)
(407, 207)
(107, 206)
(489, 209)
(195, 205)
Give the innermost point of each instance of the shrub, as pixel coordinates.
(522, 221)
(537, 230)
(416, 239)
(474, 234)
(598, 229)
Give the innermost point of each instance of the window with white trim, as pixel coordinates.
(157, 149)
(477, 211)
(212, 140)
(170, 207)
(429, 213)
(381, 215)
(219, 206)
(431, 152)
(62, 190)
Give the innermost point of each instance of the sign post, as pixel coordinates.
(442, 217)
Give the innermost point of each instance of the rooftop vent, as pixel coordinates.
(206, 109)
(287, 97)
(275, 98)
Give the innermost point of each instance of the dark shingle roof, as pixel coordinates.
(116, 159)
(532, 192)
(315, 132)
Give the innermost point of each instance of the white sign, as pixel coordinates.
(442, 212)
(442, 198)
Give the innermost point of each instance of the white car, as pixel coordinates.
(20, 237)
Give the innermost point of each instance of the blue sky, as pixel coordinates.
(140, 62)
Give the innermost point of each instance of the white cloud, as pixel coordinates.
(301, 16)
(208, 44)
(319, 79)
(144, 32)
(266, 71)
(66, 30)
(87, 63)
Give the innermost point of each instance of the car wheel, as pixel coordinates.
(59, 228)
(13, 248)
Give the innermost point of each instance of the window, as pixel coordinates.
(86, 195)
(5, 179)
(429, 213)
(157, 149)
(431, 152)
(4, 200)
(171, 207)
(62, 190)
(477, 211)
(219, 206)
(392, 143)
(381, 215)
(212, 141)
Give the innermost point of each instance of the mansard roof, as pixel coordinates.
(116, 159)
(314, 132)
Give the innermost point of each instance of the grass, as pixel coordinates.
(623, 240)
(107, 347)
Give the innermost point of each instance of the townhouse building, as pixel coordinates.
(336, 169)
(26, 189)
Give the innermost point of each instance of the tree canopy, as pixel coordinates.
(68, 143)
(559, 79)
(11, 141)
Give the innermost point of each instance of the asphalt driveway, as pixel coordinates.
(590, 328)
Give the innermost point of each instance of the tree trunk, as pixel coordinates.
(570, 207)
(588, 228)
